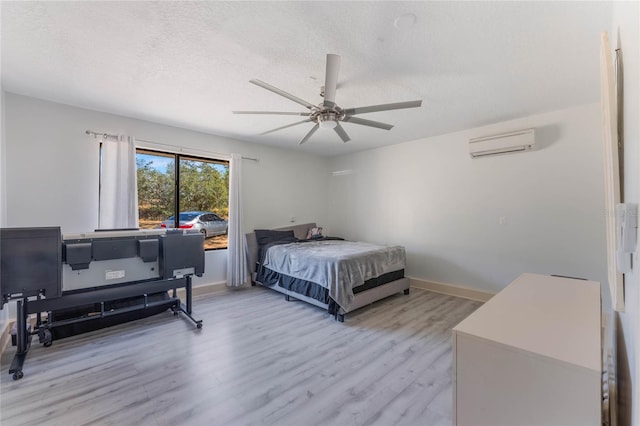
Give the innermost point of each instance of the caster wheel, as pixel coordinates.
(18, 375)
(45, 336)
(199, 325)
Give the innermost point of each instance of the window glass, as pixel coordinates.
(156, 188)
(203, 192)
(188, 217)
(204, 188)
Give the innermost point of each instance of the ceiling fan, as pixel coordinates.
(328, 114)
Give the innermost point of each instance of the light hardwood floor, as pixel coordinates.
(257, 360)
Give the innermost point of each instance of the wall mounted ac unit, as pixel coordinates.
(522, 140)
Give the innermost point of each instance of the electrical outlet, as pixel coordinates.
(502, 220)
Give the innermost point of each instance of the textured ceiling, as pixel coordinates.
(188, 64)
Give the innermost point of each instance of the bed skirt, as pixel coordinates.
(318, 295)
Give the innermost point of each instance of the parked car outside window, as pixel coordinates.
(210, 224)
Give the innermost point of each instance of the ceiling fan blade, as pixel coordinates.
(306, 114)
(282, 93)
(370, 123)
(383, 107)
(284, 127)
(331, 80)
(340, 131)
(308, 135)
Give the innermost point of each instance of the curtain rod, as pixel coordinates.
(104, 135)
(179, 148)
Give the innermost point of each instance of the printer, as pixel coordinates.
(95, 279)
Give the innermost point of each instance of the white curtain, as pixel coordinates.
(118, 186)
(236, 256)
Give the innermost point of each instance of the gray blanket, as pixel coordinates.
(336, 265)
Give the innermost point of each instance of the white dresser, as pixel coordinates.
(531, 356)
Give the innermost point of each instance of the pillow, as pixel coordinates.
(314, 233)
(266, 236)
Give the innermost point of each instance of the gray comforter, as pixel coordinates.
(336, 265)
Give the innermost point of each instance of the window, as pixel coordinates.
(193, 189)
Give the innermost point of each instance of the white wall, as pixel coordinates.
(444, 207)
(625, 34)
(3, 168)
(52, 171)
(4, 313)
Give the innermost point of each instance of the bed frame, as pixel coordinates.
(360, 299)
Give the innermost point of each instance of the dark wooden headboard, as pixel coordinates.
(299, 231)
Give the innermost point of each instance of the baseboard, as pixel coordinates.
(452, 289)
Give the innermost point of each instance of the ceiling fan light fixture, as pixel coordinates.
(330, 124)
(328, 120)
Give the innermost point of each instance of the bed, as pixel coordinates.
(339, 276)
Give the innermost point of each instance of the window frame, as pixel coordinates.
(177, 157)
